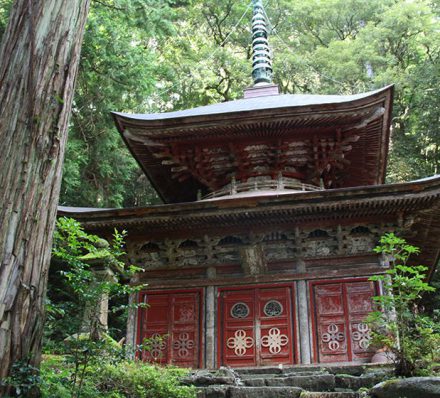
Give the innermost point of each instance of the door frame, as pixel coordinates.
(313, 315)
(144, 293)
(293, 316)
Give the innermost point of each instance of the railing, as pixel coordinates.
(280, 184)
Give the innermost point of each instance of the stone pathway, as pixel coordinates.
(294, 382)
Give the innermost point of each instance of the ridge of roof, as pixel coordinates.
(418, 186)
(253, 104)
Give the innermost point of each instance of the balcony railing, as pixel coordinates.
(280, 184)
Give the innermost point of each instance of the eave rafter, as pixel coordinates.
(214, 164)
(398, 199)
(344, 144)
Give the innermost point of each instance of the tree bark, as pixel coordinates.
(39, 57)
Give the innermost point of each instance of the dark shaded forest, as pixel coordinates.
(154, 55)
(147, 56)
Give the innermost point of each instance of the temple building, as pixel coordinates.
(262, 251)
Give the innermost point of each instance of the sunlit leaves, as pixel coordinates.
(399, 326)
(156, 56)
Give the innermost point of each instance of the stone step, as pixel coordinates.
(277, 369)
(247, 376)
(306, 394)
(267, 392)
(356, 369)
(313, 381)
(304, 370)
(249, 392)
(316, 382)
(357, 382)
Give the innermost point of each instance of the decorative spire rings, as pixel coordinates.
(261, 54)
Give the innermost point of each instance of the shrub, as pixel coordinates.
(411, 337)
(24, 379)
(137, 379)
(131, 379)
(91, 363)
(94, 271)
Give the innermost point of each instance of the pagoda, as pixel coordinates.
(262, 251)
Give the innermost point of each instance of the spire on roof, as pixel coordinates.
(261, 54)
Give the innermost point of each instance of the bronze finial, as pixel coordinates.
(261, 54)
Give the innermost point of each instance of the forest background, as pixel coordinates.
(159, 55)
(149, 56)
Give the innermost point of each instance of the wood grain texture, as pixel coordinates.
(39, 62)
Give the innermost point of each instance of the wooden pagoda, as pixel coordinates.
(262, 251)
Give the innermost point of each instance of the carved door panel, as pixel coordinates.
(359, 305)
(340, 309)
(154, 323)
(275, 321)
(172, 324)
(256, 326)
(238, 310)
(330, 313)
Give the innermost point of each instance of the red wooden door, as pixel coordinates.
(340, 310)
(256, 326)
(171, 325)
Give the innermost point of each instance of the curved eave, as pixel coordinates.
(230, 121)
(395, 197)
(416, 203)
(275, 106)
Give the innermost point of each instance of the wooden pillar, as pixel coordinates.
(304, 323)
(210, 322)
(304, 319)
(130, 337)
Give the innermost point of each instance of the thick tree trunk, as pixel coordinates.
(39, 58)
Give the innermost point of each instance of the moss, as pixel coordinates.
(101, 244)
(387, 383)
(96, 255)
(112, 343)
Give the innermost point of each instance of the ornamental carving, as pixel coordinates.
(183, 345)
(156, 345)
(277, 245)
(362, 335)
(274, 340)
(240, 342)
(333, 337)
(186, 313)
(239, 310)
(360, 244)
(273, 308)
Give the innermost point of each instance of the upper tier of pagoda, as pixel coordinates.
(303, 141)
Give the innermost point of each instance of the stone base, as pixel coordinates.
(332, 381)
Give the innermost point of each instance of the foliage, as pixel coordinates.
(5, 6)
(24, 379)
(86, 347)
(431, 302)
(95, 269)
(139, 380)
(156, 56)
(411, 338)
(117, 73)
(114, 380)
(93, 272)
(92, 363)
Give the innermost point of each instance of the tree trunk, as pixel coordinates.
(39, 58)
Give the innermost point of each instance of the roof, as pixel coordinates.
(186, 151)
(252, 104)
(86, 210)
(417, 202)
